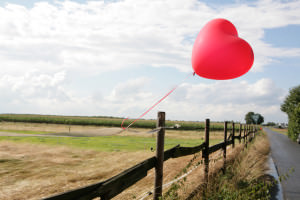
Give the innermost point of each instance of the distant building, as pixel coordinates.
(281, 125)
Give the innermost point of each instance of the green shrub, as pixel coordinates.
(291, 107)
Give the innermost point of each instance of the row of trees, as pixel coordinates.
(291, 106)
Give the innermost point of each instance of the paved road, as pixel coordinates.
(286, 155)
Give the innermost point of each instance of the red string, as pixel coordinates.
(166, 95)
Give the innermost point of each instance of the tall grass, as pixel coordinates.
(245, 175)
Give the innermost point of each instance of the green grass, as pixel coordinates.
(106, 143)
(279, 130)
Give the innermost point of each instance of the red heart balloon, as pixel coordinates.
(219, 53)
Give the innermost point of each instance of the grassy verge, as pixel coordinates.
(245, 175)
(280, 130)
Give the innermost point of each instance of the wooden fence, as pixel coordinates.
(113, 186)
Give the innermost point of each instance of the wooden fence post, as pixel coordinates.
(240, 135)
(233, 130)
(224, 147)
(206, 151)
(244, 133)
(247, 131)
(251, 131)
(159, 156)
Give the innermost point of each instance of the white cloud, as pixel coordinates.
(97, 36)
(130, 90)
(222, 100)
(226, 100)
(262, 92)
(32, 87)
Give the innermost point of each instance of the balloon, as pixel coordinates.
(219, 53)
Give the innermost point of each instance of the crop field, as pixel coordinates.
(40, 159)
(104, 121)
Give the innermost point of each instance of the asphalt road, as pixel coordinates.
(286, 156)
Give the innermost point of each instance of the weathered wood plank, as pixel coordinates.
(205, 152)
(229, 142)
(185, 151)
(120, 182)
(216, 147)
(159, 165)
(77, 193)
(170, 152)
(233, 134)
(224, 148)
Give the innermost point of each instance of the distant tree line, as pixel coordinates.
(270, 124)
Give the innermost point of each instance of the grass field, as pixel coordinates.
(37, 165)
(33, 171)
(132, 140)
(104, 143)
(283, 131)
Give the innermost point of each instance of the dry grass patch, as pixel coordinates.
(245, 174)
(193, 182)
(57, 129)
(31, 171)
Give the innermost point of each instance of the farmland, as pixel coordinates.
(118, 140)
(42, 159)
(46, 158)
(103, 121)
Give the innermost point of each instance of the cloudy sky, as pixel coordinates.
(117, 58)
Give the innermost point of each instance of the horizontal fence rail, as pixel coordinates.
(113, 186)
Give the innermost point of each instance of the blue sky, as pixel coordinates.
(117, 58)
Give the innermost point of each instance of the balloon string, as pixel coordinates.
(165, 96)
